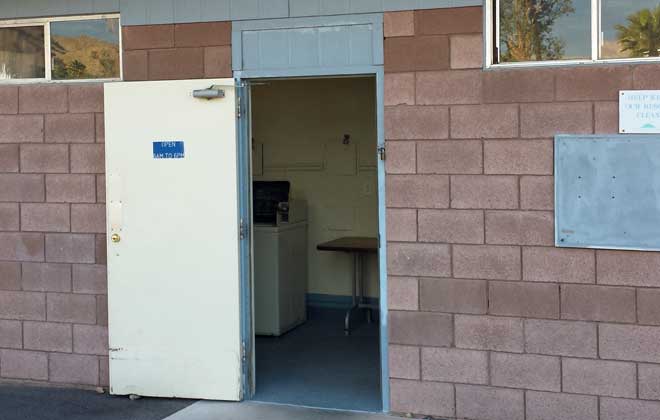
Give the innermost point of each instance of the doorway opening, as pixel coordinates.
(315, 214)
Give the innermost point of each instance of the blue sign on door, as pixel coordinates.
(168, 150)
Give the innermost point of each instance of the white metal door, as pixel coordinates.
(173, 275)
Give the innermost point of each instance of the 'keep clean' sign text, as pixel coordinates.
(639, 111)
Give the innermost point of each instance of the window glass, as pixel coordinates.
(542, 30)
(86, 49)
(22, 54)
(630, 28)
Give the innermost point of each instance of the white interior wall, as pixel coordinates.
(298, 130)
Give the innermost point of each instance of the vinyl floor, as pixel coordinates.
(317, 365)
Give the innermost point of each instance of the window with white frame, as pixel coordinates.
(573, 31)
(70, 48)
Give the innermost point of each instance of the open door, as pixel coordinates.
(173, 240)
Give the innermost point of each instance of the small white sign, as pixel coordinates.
(639, 111)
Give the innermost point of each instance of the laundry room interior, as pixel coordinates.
(315, 234)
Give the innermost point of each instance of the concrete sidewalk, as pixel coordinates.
(207, 410)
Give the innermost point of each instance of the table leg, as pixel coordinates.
(362, 287)
(363, 280)
(354, 301)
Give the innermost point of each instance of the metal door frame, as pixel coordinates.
(245, 176)
(244, 165)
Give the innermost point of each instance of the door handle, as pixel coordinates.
(115, 238)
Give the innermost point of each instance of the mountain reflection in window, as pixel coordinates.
(86, 49)
(22, 54)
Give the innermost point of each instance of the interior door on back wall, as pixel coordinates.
(173, 240)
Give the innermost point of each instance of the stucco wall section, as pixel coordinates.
(488, 320)
(53, 305)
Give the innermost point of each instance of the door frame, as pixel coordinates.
(244, 165)
(243, 79)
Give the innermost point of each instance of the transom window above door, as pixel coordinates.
(532, 32)
(60, 49)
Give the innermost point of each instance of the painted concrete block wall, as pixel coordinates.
(298, 127)
(488, 320)
(180, 51)
(53, 306)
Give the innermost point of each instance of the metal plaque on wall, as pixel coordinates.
(607, 192)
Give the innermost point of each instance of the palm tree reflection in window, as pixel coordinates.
(641, 36)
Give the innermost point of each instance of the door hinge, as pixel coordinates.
(242, 229)
(238, 107)
(243, 351)
(381, 152)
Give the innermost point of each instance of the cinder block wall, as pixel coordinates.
(489, 321)
(53, 306)
(53, 286)
(180, 51)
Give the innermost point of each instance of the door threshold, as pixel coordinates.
(255, 410)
